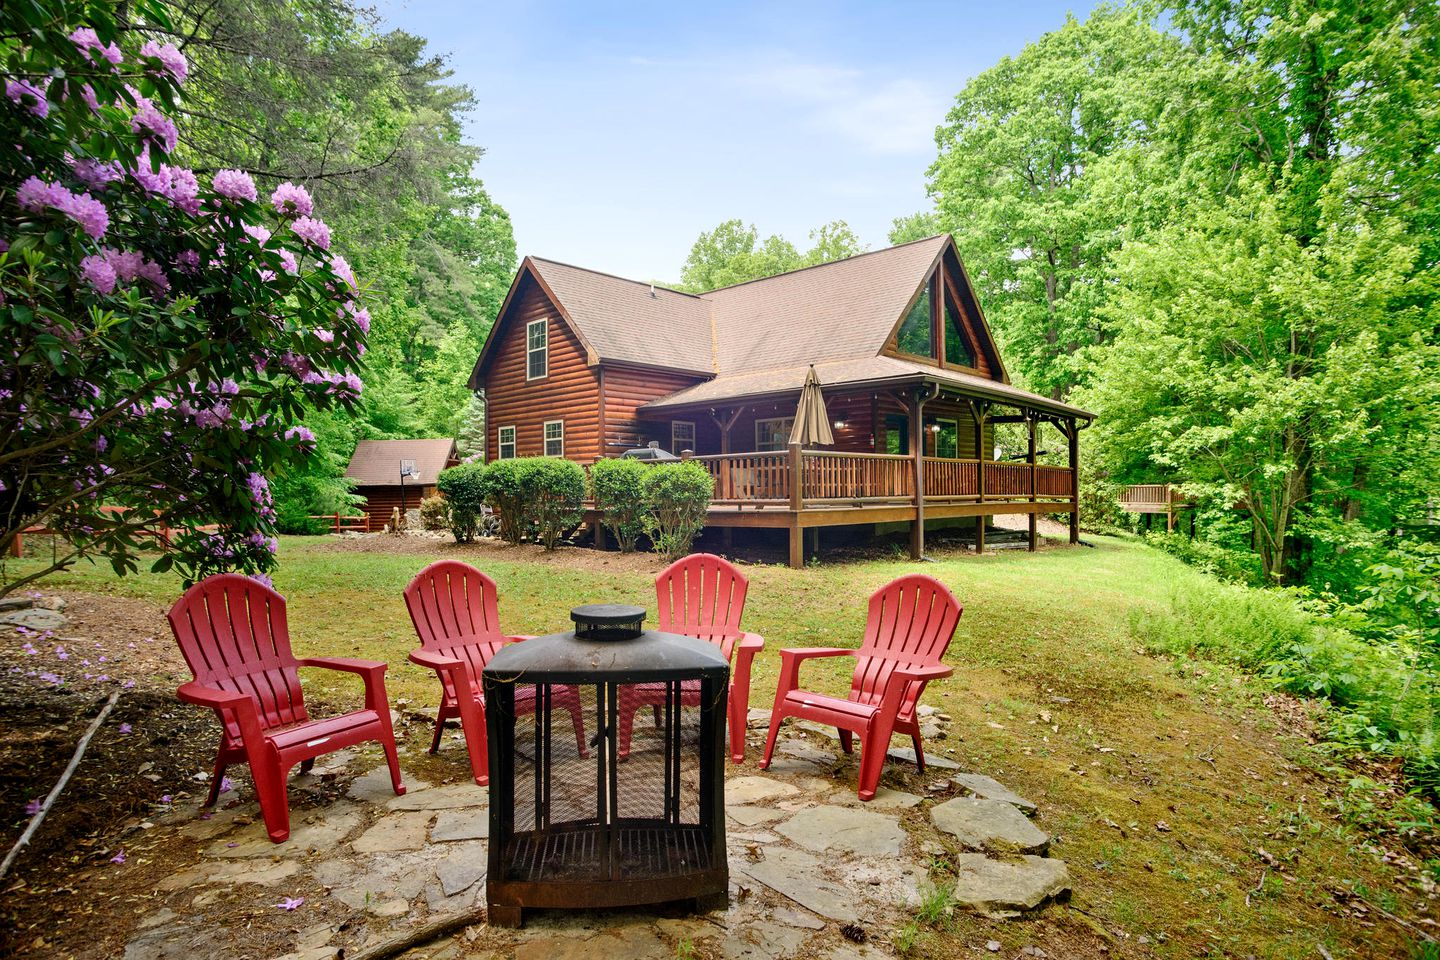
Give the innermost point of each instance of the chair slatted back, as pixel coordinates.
(702, 596)
(234, 636)
(912, 620)
(455, 610)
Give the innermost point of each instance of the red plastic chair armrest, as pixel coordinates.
(752, 642)
(344, 663)
(517, 638)
(937, 672)
(796, 654)
(435, 661)
(242, 705)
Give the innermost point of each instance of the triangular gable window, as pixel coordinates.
(916, 333)
(957, 344)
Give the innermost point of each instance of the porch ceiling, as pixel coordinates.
(869, 373)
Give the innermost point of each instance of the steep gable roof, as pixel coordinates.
(625, 320)
(376, 463)
(844, 309)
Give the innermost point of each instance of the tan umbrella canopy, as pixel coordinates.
(812, 423)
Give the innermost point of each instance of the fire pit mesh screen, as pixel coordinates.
(559, 806)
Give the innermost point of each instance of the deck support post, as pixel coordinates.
(598, 529)
(1034, 519)
(797, 504)
(977, 413)
(1072, 433)
(916, 406)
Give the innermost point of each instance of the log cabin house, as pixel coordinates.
(375, 468)
(584, 365)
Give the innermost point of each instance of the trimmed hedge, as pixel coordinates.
(553, 495)
(464, 487)
(677, 497)
(435, 514)
(618, 488)
(502, 487)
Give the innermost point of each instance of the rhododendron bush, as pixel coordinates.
(163, 329)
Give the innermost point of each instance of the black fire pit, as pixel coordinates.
(572, 822)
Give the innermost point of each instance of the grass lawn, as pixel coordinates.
(1196, 820)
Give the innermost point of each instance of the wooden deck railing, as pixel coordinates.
(340, 523)
(850, 477)
(1150, 495)
(830, 477)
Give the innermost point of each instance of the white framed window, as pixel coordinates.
(773, 434)
(682, 435)
(537, 350)
(554, 438)
(505, 444)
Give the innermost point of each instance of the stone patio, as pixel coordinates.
(807, 859)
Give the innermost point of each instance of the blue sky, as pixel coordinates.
(615, 134)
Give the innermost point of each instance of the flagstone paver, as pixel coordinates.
(751, 816)
(395, 832)
(742, 790)
(319, 830)
(763, 942)
(466, 824)
(992, 825)
(907, 755)
(799, 876)
(1008, 888)
(452, 797)
(846, 829)
(991, 789)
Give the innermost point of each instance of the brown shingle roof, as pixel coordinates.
(851, 373)
(833, 311)
(620, 320)
(376, 463)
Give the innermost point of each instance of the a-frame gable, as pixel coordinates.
(945, 279)
(526, 272)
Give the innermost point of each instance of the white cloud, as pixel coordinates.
(895, 115)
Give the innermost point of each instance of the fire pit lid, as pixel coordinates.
(608, 615)
(566, 658)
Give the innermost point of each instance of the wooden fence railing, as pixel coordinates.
(833, 477)
(340, 523)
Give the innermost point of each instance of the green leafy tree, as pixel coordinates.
(464, 486)
(1016, 179)
(734, 253)
(917, 226)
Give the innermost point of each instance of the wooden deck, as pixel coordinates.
(1160, 499)
(799, 490)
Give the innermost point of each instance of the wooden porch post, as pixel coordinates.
(977, 413)
(1072, 433)
(797, 504)
(1034, 520)
(916, 406)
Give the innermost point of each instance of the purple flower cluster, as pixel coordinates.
(29, 96)
(36, 195)
(233, 185)
(152, 126)
(312, 231)
(292, 201)
(95, 173)
(104, 269)
(172, 61)
(339, 384)
(88, 42)
(175, 184)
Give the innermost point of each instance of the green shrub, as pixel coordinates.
(464, 487)
(554, 495)
(435, 514)
(618, 488)
(503, 489)
(677, 497)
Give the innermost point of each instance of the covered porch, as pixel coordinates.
(911, 449)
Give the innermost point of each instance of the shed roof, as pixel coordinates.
(376, 463)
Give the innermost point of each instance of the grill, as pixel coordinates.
(611, 791)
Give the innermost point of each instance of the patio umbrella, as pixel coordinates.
(812, 423)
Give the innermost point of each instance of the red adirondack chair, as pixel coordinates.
(234, 636)
(457, 619)
(911, 622)
(701, 596)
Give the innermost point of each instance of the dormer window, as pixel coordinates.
(537, 350)
(916, 334)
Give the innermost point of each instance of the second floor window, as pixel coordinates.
(555, 438)
(537, 350)
(505, 444)
(915, 334)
